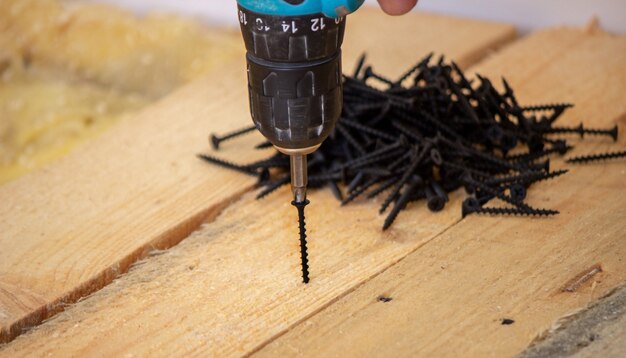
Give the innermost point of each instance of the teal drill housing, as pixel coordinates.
(330, 8)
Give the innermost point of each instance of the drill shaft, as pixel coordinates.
(299, 177)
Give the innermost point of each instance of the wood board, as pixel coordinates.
(232, 288)
(452, 294)
(72, 227)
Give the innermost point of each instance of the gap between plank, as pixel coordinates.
(349, 291)
(165, 241)
(354, 288)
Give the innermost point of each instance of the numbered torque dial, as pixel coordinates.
(294, 75)
(291, 39)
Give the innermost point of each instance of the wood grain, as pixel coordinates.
(71, 228)
(233, 287)
(451, 295)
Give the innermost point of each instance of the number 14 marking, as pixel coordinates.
(292, 27)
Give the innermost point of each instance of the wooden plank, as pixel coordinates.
(452, 294)
(72, 227)
(242, 291)
(597, 331)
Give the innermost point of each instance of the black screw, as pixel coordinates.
(350, 139)
(547, 107)
(466, 127)
(405, 177)
(404, 198)
(515, 211)
(382, 187)
(597, 157)
(368, 130)
(359, 65)
(215, 140)
(613, 132)
(525, 178)
(517, 192)
(273, 186)
(369, 73)
(304, 256)
(413, 69)
(226, 164)
(362, 189)
(435, 202)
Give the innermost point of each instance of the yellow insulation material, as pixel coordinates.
(70, 70)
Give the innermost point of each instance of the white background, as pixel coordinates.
(526, 14)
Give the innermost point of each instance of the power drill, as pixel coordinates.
(295, 79)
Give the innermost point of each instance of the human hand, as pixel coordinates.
(397, 7)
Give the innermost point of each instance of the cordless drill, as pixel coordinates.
(294, 79)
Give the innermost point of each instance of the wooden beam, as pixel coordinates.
(452, 295)
(233, 287)
(71, 228)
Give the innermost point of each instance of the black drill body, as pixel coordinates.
(294, 77)
(295, 88)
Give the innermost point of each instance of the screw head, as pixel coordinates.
(215, 141)
(470, 205)
(518, 192)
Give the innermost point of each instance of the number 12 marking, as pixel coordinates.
(317, 24)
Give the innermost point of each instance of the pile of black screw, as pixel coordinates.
(427, 134)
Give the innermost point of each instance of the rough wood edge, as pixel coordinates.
(166, 240)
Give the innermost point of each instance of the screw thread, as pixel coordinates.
(353, 142)
(366, 158)
(382, 187)
(580, 130)
(368, 130)
(606, 132)
(402, 201)
(272, 187)
(279, 161)
(405, 177)
(547, 107)
(597, 157)
(304, 256)
(526, 157)
(369, 72)
(528, 177)
(376, 159)
(360, 190)
(414, 69)
(216, 140)
(515, 211)
(498, 194)
(226, 164)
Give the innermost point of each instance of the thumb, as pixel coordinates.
(397, 7)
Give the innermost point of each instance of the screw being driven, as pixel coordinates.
(303, 244)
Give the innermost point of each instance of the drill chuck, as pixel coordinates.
(294, 76)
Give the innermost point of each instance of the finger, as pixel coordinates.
(397, 7)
